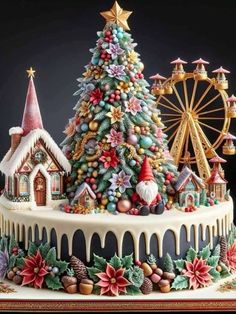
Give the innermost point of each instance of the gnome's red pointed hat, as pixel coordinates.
(145, 173)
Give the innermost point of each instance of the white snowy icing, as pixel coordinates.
(10, 166)
(218, 219)
(16, 130)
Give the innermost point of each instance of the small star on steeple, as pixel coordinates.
(30, 72)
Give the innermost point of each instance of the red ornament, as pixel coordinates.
(167, 182)
(168, 176)
(92, 180)
(96, 96)
(138, 263)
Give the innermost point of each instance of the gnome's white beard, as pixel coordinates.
(147, 190)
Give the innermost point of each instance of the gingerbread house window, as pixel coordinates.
(55, 183)
(24, 185)
(10, 186)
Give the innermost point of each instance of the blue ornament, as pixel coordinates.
(120, 35)
(90, 169)
(146, 142)
(84, 127)
(111, 198)
(132, 163)
(110, 192)
(115, 39)
(108, 106)
(95, 60)
(114, 31)
(102, 103)
(111, 207)
(123, 96)
(120, 29)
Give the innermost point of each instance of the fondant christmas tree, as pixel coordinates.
(116, 122)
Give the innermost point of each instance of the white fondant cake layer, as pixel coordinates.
(218, 219)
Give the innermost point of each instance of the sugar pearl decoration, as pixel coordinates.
(124, 206)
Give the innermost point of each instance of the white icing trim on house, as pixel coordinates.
(16, 130)
(9, 167)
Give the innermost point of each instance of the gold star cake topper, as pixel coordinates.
(117, 15)
(30, 72)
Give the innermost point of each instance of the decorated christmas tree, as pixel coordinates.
(116, 123)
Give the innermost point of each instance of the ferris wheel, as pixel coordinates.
(196, 112)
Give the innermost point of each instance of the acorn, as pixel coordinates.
(159, 272)
(169, 276)
(86, 286)
(17, 279)
(147, 286)
(147, 270)
(15, 269)
(10, 275)
(70, 282)
(164, 285)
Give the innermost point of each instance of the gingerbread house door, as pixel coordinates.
(40, 189)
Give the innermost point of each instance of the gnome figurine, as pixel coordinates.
(146, 198)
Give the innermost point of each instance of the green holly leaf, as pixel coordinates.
(12, 261)
(205, 252)
(191, 254)
(44, 249)
(180, 283)
(215, 274)
(225, 271)
(213, 261)
(96, 290)
(32, 248)
(180, 264)
(53, 282)
(20, 262)
(62, 265)
(216, 251)
(115, 262)
(132, 290)
(99, 262)
(51, 257)
(127, 261)
(92, 271)
(3, 243)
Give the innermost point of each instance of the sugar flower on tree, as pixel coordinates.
(4, 263)
(115, 50)
(133, 106)
(115, 138)
(198, 273)
(109, 159)
(231, 257)
(96, 96)
(115, 114)
(120, 181)
(112, 281)
(34, 270)
(116, 71)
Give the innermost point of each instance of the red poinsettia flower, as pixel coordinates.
(109, 158)
(112, 281)
(231, 257)
(198, 273)
(96, 96)
(34, 270)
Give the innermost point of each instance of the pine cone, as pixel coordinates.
(223, 250)
(79, 268)
(147, 286)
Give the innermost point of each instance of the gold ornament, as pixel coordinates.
(104, 201)
(93, 125)
(30, 72)
(141, 151)
(117, 15)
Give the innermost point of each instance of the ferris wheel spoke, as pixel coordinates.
(210, 127)
(171, 120)
(211, 118)
(208, 148)
(193, 94)
(168, 107)
(187, 141)
(210, 111)
(171, 104)
(170, 115)
(186, 94)
(172, 136)
(202, 97)
(172, 126)
(208, 103)
(179, 98)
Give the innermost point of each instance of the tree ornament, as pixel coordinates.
(147, 286)
(111, 207)
(132, 139)
(93, 125)
(124, 206)
(84, 127)
(146, 142)
(79, 268)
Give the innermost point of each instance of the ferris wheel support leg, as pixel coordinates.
(179, 141)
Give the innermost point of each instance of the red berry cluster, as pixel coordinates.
(134, 211)
(153, 148)
(168, 177)
(139, 75)
(15, 250)
(105, 55)
(92, 181)
(189, 209)
(115, 96)
(108, 37)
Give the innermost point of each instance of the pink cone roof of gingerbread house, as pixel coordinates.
(32, 117)
(178, 61)
(200, 61)
(229, 137)
(221, 70)
(216, 178)
(231, 98)
(217, 159)
(157, 77)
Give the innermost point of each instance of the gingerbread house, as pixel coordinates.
(34, 167)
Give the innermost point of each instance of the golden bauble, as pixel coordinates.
(141, 66)
(93, 125)
(104, 201)
(141, 151)
(95, 174)
(80, 171)
(124, 206)
(137, 129)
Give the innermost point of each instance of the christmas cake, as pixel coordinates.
(115, 212)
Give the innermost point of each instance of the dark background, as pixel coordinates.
(54, 37)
